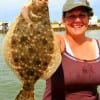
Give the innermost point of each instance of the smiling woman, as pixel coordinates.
(78, 75)
(76, 21)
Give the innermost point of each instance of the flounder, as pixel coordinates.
(30, 47)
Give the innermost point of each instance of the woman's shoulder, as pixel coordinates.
(92, 39)
(98, 41)
(60, 36)
(95, 40)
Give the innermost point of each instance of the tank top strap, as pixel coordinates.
(98, 43)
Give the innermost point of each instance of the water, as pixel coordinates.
(9, 83)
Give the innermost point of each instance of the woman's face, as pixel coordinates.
(76, 21)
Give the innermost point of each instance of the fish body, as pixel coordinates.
(30, 47)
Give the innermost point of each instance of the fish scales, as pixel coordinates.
(30, 47)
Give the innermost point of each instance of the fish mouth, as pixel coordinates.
(39, 2)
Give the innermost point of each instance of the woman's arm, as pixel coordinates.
(61, 42)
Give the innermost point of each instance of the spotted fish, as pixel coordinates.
(30, 47)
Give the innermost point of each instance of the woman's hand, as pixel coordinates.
(25, 13)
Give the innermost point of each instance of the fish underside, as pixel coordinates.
(30, 47)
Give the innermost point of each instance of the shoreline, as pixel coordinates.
(60, 27)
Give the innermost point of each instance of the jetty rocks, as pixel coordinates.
(30, 47)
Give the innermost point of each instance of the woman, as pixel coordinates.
(78, 75)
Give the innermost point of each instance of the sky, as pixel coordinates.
(9, 9)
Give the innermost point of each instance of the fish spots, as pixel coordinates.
(23, 39)
(31, 50)
(30, 72)
(37, 61)
(27, 86)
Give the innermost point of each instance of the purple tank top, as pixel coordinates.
(81, 78)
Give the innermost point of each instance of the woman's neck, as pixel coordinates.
(80, 46)
(75, 40)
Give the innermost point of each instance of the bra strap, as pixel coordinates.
(57, 85)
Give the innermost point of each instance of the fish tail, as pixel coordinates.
(25, 95)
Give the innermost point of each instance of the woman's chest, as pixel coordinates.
(76, 72)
